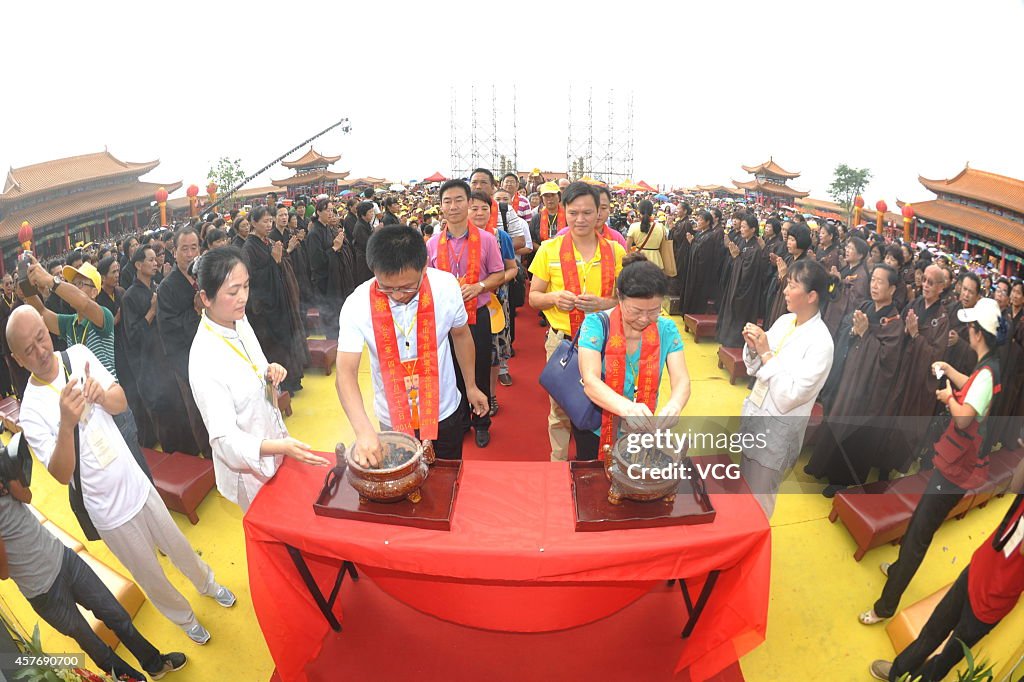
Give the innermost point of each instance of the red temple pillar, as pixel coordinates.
(106, 224)
(67, 237)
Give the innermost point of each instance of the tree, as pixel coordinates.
(226, 173)
(847, 183)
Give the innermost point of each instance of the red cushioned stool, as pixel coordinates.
(312, 321)
(701, 326)
(873, 514)
(183, 481)
(10, 410)
(322, 353)
(731, 359)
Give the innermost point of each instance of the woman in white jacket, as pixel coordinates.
(234, 385)
(790, 363)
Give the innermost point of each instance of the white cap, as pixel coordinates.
(985, 312)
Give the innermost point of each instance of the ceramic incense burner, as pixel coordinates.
(642, 486)
(399, 475)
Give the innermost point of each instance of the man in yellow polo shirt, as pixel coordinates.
(573, 274)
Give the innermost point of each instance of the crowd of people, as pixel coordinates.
(187, 337)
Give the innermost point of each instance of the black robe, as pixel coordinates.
(740, 301)
(293, 299)
(156, 381)
(844, 454)
(912, 401)
(13, 377)
(700, 290)
(778, 306)
(960, 355)
(331, 274)
(269, 309)
(846, 295)
(360, 236)
(125, 377)
(681, 246)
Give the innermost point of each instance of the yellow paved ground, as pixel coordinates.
(817, 588)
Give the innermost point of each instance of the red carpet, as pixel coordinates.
(519, 432)
(383, 639)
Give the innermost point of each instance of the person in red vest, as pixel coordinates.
(986, 591)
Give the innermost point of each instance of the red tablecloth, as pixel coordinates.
(512, 534)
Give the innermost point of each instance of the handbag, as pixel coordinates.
(668, 256)
(561, 379)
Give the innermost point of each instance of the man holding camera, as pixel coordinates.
(66, 418)
(55, 581)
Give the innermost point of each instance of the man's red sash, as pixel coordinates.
(423, 415)
(545, 222)
(571, 276)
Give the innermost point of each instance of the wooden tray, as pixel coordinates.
(595, 513)
(434, 512)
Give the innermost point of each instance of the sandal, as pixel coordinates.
(884, 568)
(869, 617)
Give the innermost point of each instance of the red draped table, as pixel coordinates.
(511, 562)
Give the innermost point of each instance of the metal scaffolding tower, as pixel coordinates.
(479, 144)
(579, 148)
(608, 158)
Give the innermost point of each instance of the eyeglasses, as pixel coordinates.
(399, 290)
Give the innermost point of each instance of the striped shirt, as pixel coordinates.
(99, 341)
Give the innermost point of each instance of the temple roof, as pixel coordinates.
(65, 209)
(714, 188)
(769, 167)
(311, 159)
(990, 188)
(73, 170)
(771, 188)
(975, 221)
(313, 178)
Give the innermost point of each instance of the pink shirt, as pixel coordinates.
(458, 254)
(608, 232)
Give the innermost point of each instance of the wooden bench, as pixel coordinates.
(10, 410)
(322, 353)
(878, 513)
(700, 326)
(731, 360)
(183, 481)
(907, 624)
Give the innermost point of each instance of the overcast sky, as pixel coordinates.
(903, 88)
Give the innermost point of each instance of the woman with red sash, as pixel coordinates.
(573, 275)
(410, 317)
(961, 463)
(622, 358)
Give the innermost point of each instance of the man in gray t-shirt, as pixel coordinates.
(54, 580)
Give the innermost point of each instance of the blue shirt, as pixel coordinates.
(592, 336)
(508, 252)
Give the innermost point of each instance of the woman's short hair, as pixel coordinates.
(811, 275)
(640, 278)
(214, 267)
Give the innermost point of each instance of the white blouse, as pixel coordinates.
(231, 397)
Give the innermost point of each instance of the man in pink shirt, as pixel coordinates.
(456, 252)
(603, 211)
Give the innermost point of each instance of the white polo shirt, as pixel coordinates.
(355, 328)
(114, 488)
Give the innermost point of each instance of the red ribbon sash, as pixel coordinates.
(492, 222)
(545, 221)
(571, 276)
(472, 276)
(424, 415)
(648, 377)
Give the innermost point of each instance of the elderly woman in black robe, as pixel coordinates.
(740, 303)
(269, 309)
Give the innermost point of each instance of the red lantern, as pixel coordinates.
(211, 192)
(25, 235)
(858, 201)
(908, 217)
(908, 211)
(880, 208)
(160, 195)
(161, 200)
(193, 205)
(192, 191)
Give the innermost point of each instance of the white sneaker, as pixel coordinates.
(198, 634)
(224, 597)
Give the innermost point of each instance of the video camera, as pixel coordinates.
(16, 461)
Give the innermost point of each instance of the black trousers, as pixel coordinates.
(450, 432)
(481, 331)
(953, 614)
(938, 500)
(78, 584)
(587, 444)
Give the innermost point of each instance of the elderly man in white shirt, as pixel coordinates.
(790, 363)
(66, 418)
(417, 392)
(234, 385)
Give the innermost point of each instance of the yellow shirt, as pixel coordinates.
(548, 266)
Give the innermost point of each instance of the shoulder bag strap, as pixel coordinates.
(66, 360)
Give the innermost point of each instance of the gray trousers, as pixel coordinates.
(763, 483)
(135, 543)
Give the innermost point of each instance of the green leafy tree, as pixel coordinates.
(226, 173)
(847, 183)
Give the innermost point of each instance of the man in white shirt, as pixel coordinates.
(390, 314)
(119, 500)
